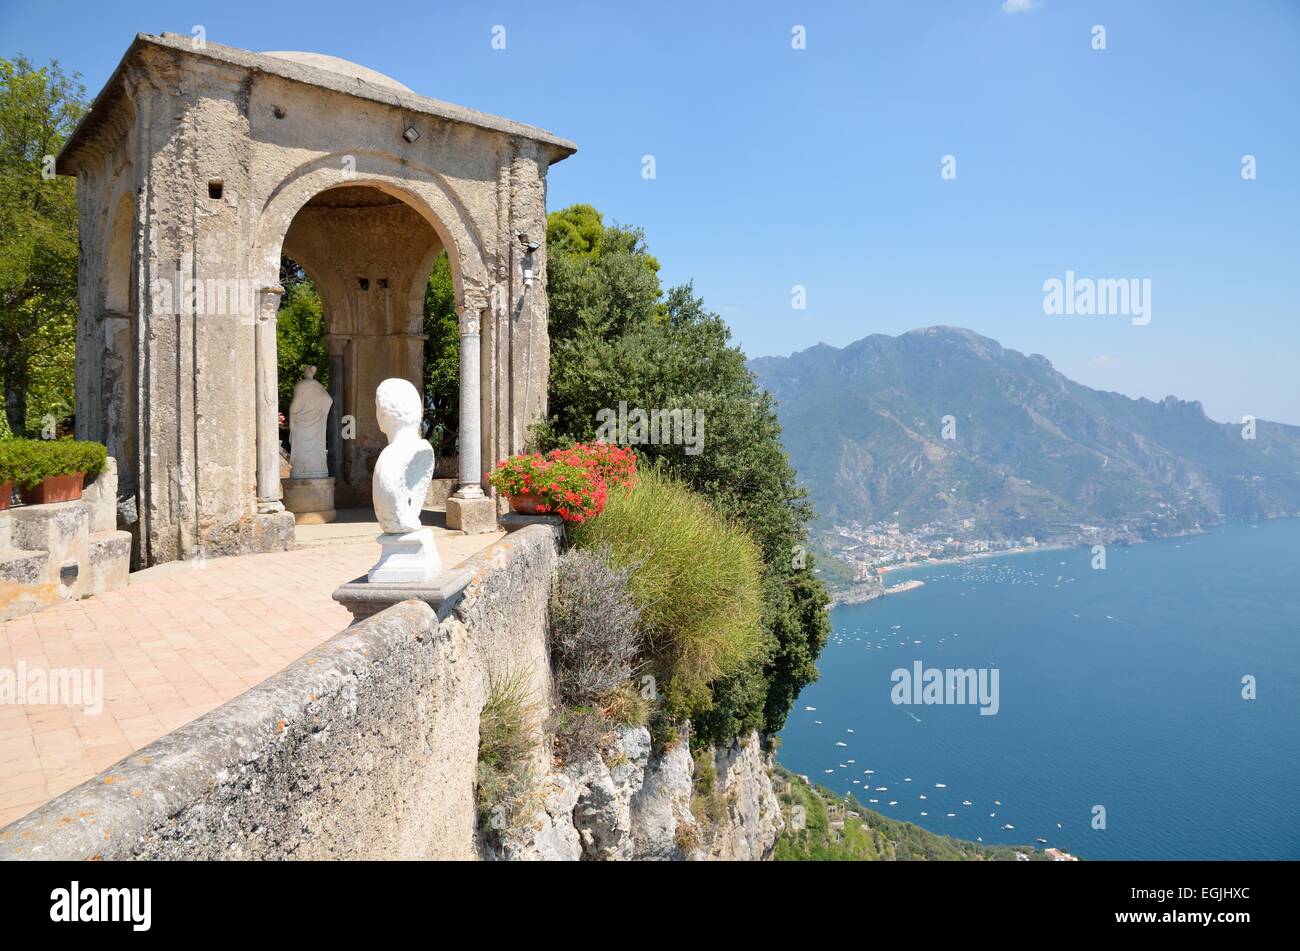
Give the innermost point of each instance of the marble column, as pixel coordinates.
(469, 509)
(266, 397)
(470, 427)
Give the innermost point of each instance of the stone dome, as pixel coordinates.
(343, 67)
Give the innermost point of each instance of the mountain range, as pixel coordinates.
(944, 427)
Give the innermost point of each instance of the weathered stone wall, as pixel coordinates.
(364, 748)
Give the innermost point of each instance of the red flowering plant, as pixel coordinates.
(575, 493)
(616, 465)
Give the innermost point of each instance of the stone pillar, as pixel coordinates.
(334, 433)
(469, 509)
(268, 427)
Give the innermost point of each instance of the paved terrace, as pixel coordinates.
(177, 642)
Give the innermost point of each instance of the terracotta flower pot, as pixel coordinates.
(6, 494)
(63, 488)
(526, 504)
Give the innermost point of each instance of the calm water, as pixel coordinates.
(1119, 687)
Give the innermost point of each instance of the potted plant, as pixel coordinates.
(616, 465)
(50, 470)
(540, 486)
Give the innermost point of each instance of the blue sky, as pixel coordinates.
(821, 167)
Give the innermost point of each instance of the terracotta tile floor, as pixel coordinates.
(178, 641)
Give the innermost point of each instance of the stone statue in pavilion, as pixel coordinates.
(308, 490)
(399, 487)
(308, 416)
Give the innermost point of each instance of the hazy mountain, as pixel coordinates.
(1034, 453)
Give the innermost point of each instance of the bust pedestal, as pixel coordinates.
(408, 557)
(310, 500)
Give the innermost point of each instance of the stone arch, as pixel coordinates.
(420, 187)
(365, 344)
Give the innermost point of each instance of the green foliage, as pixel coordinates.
(299, 337)
(696, 577)
(28, 462)
(38, 241)
(508, 737)
(615, 336)
(870, 836)
(441, 359)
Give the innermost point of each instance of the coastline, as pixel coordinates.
(861, 592)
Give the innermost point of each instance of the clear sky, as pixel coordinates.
(821, 166)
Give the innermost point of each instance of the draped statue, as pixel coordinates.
(308, 416)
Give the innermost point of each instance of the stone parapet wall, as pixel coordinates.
(364, 748)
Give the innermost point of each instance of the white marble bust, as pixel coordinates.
(308, 415)
(405, 468)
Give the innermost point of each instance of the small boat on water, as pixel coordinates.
(940, 785)
(966, 802)
(811, 709)
(1039, 838)
(893, 802)
(1008, 826)
(840, 743)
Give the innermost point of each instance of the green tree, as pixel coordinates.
(441, 359)
(299, 333)
(616, 336)
(39, 108)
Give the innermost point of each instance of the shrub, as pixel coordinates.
(695, 577)
(572, 492)
(28, 462)
(594, 637)
(507, 738)
(618, 334)
(627, 706)
(507, 725)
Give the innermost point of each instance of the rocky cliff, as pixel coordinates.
(630, 803)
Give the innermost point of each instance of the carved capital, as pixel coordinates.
(469, 321)
(269, 301)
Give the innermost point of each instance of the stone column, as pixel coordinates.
(469, 509)
(335, 430)
(268, 427)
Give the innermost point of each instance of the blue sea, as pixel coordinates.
(1120, 688)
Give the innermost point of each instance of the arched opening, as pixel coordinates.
(368, 296)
